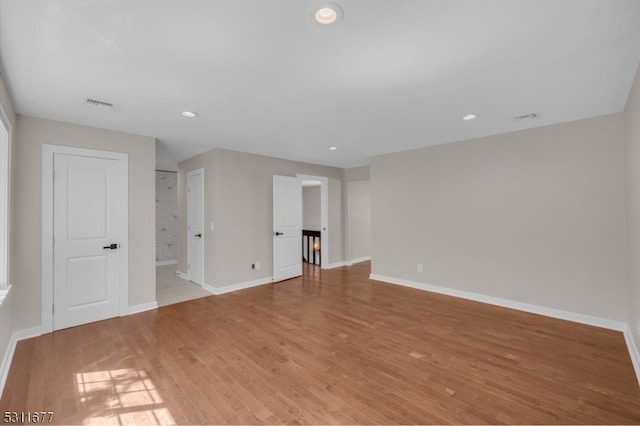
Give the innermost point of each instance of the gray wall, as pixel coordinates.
(358, 219)
(537, 216)
(357, 174)
(311, 218)
(32, 133)
(357, 200)
(239, 200)
(632, 137)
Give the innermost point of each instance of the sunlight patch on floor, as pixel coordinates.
(126, 396)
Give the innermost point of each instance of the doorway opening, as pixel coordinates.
(315, 218)
(311, 224)
(171, 286)
(288, 242)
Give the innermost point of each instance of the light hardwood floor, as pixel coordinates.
(331, 347)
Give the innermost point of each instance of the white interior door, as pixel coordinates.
(195, 226)
(287, 228)
(88, 197)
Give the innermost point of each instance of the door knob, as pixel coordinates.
(278, 233)
(198, 235)
(113, 246)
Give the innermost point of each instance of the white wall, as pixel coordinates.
(537, 216)
(632, 138)
(32, 133)
(239, 200)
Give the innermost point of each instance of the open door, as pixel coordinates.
(287, 228)
(195, 226)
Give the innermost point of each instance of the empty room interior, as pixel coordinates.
(309, 212)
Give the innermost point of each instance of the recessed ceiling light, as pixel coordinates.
(189, 114)
(333, 148)
(327, 13)
(470, 117)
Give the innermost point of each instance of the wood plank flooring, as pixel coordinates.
(332, 347)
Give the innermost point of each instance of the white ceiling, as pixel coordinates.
(266, 79)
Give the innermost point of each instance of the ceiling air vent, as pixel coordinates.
(530, 116)
(98, 104)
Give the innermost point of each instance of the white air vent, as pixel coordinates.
(98, 104)
(530, 116)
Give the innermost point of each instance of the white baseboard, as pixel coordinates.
(240, 286)
(166, 262)
(208, 288)
(357, 260)
(37, 331)
(4, 292)
(633, 350)
(8, 355)
(526, 307)
(520, 306)
(143, 307)
(182, 275)
(337, 265)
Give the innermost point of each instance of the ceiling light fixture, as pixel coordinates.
(98, 104)
(189, 114)
(470, 117)
(333, 148)
(327, 13)
(529, 116)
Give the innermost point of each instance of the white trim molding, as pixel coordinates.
(526, 307)
(4, 292)
(208, 288)
(357, 260)
(182, 275)
(337, 265)
(11, 348)
(143, 307)
(6, 151)
(506, 303)
(166, 262)
(633, 350)
(239, 286)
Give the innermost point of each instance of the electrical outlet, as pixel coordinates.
(257, 265)
(420, 268)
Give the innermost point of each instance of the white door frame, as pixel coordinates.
(199, 280)
(5, 195)
(324, 216)
(48, 153)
